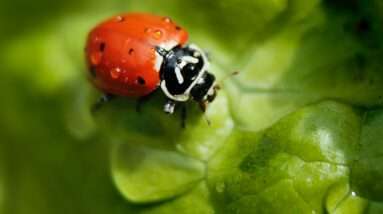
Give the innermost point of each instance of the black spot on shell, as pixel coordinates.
(178, 28)
(131, 51)
(167, 19)
(140, 80)
(102, 46)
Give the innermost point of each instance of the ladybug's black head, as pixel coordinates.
(184, 74)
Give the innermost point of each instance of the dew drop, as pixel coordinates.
(157, 34)
(95, 58)
(120, 19)
(166, 19)
(153, 50)
(115, 73)
(153, 56)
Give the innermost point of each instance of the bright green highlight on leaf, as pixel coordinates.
(147, 175)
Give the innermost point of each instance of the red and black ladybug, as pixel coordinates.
(134, 54)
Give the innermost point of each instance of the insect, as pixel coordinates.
(135, 54)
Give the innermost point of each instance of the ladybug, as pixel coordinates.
(135, 54)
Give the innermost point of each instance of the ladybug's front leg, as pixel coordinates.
(203, 107)
(169, 106)
(141, 101)
(183, 115)
(169, 109)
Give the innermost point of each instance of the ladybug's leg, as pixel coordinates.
(101, 101)
(141, 101)
(169, 106)
(203, 107)
(183, 116)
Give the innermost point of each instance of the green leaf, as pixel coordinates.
(276, 161)
(152, 127)
(147, 175)
(367, 172)
(194, 202)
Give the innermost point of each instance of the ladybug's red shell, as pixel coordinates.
(121, 52)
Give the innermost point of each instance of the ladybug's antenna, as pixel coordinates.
(228, 76)
(161, 51)
(218, 84)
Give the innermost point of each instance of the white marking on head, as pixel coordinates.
(178, 97)
(190, 59)
(184, 61)
(160, 59)
(196, 54)
(158, 62)
(168, 45)
(179, 76)
(186, 95)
